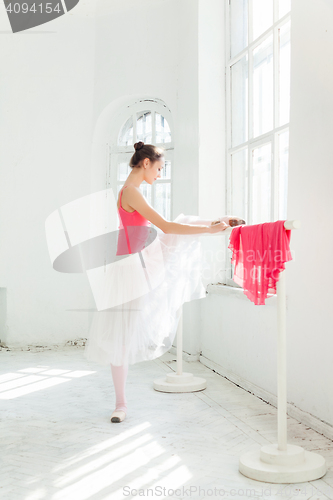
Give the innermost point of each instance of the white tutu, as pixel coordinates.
(144, 328)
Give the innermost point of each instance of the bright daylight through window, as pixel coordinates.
(257, 103)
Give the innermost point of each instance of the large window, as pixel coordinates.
(258, 99)
(147, 122)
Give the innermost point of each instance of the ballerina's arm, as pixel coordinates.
(136, 200)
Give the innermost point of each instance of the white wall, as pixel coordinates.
(241, 337)
(47, 79)
(59, 81)
(310, 315)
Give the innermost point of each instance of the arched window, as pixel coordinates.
(147, 120)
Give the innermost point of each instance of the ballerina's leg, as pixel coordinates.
(119, 376)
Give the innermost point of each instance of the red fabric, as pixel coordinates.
(259, 253)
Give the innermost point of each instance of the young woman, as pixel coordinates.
(169, 273)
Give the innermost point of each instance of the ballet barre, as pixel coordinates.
(272, 463)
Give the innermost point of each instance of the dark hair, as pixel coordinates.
(142, 151)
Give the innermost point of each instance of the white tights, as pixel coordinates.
(119, 376)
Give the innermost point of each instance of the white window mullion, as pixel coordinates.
(250, 185)
(153, 127)
(228, 106)
(228, 96)
(250, 96)
(170, 156)
(274, 156)
(228, 271)
(254, 43)
(273, 183)
(275, 11)
(134, 128)
(228, 129)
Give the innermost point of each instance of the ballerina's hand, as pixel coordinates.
(217, 227)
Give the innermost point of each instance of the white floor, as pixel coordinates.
(57, 441)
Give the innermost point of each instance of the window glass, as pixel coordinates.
(144, 127)
(163, 132)
(284, 73)
(163, 201)
(146, 191)
(126, 134)
(238, 26)
(263, 87)
(261, 184)
(123, 171)
(284, 7)
(262, 16)
(239, 101)
(166, 172)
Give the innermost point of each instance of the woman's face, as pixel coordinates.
(155, 171)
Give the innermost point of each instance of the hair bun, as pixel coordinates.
(138, 145)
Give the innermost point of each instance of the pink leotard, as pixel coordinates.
(131, 239)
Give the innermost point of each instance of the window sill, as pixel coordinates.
(221, 289)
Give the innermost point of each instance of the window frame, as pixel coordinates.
(271, 136)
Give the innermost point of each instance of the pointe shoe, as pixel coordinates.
(231, 221)
(236, 221)
(118, 416)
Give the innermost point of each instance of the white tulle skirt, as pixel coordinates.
(144, 327)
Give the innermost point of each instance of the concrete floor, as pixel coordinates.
(57, 441)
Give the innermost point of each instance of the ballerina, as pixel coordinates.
(144, 327)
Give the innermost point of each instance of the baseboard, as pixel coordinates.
(305, 418)
(186, 356)
(79, 342)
